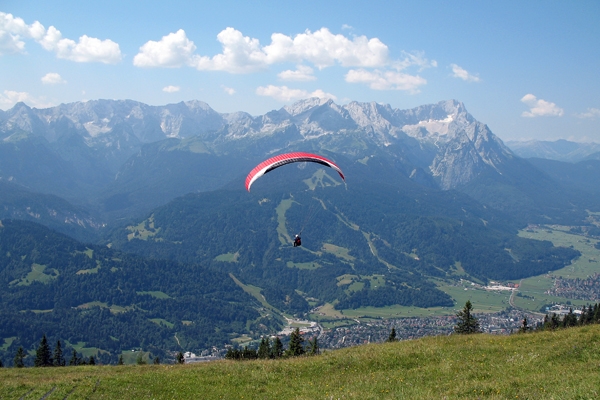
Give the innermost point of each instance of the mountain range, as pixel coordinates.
(431, 195)
(559, 150)
(123, 158)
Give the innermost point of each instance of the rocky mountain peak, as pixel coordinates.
(302, 106)
(441, 137)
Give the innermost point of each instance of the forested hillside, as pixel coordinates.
(364, 244)
(107, 301)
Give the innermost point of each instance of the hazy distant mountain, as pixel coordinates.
(17, 202)
(559, 150)
(594, 156)
(579, 176)
(123, 158)
(443, 137)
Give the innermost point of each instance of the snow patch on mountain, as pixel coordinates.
(430, 127)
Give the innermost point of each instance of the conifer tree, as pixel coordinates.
(296, 344)
(92, 361)
(264, 349)
(546, 323)
(231, 354)
(180, 358)
(43, 357)
(589, 316)
(140, 358)
(249, 354)
(120, 362)
(554, 321)
(156, 360)
(19, 357)
(524, 327)
(74, 360)
(392, 337)
(59, 360)
(277, 349)
(467, 323)
(570, 319)
(313, 347)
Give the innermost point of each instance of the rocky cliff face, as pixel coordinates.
(442, 139)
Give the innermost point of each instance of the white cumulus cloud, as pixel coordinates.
(243, 54)
(461, 73)
(285, 94)
(540, 108)
(591, 113)
(302, 73)
(173, 50)
(417, 59)
(52, 78)
(386, 80)
(13, 31)
(171, 89)
(228, 90)
(324, 49)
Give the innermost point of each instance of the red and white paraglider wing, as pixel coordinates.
(282, 159)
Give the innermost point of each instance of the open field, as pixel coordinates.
(143, 230)
(38, 274)
(304, 265)
(396, 312)
(558, 235)
(162, 321)
(482, 300)
(254, 291)
(156, 294)
(533, 289)
(228, 257)
(339, 252)
(284, 237)
(80, 348)
(547, 365)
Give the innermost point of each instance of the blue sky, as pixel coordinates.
(528, 69)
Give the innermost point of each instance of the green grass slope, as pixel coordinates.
(549, 365)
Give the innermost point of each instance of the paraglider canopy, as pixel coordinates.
(282, 159)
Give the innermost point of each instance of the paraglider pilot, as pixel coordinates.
(297, 241)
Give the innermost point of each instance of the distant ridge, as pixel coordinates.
(122, 158)
(559, 150)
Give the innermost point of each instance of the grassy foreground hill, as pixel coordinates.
(562, 364)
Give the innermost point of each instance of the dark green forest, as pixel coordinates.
(53, 285)
(406, 235)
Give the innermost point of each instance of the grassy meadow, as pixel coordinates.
(586, 265)
(563, 364)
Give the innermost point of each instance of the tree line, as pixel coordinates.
(273, 349)
(589, 315)
(45, 357)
